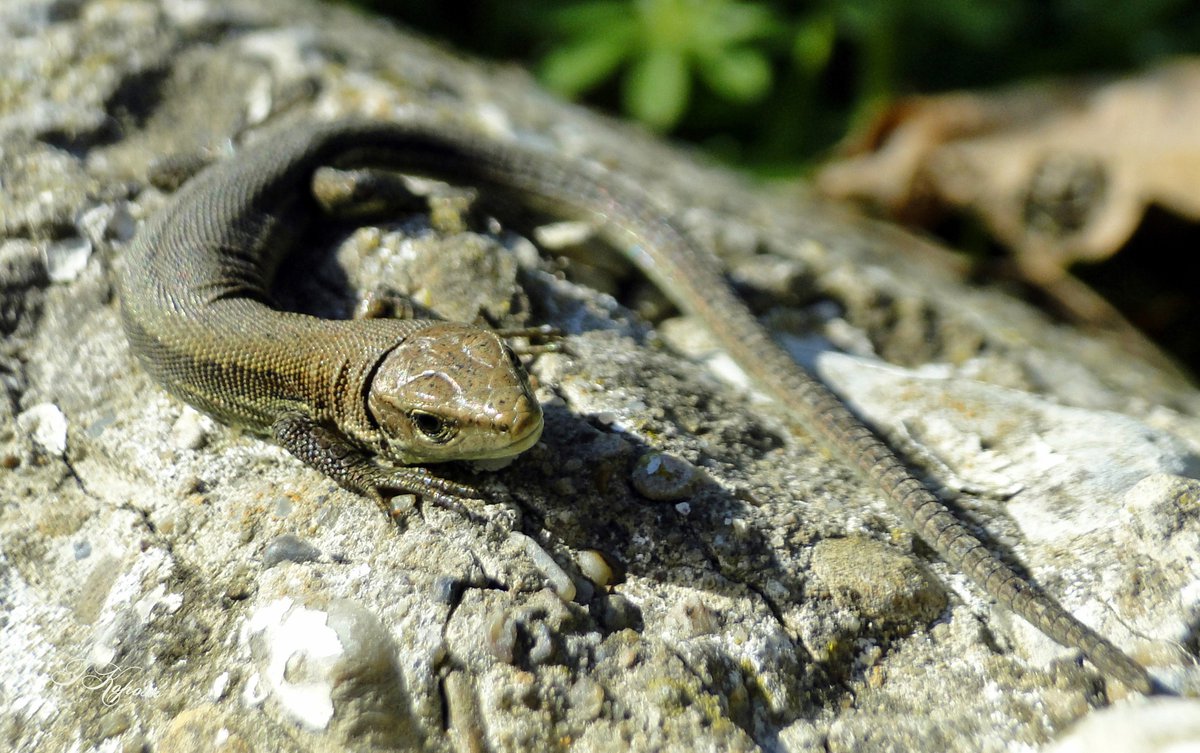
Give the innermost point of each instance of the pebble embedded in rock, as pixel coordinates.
(598, 567)
(502, 637)
(219, 687)
(331, 669)
(47, 427)
(191, 430)
(543, 648)
(66, 259)
(447, 590)
(587, 698)
(665, 478)
(289, 548)
(558, 578)
(878, 582)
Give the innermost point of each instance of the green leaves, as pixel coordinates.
(740, 74)
(772, 83)
(812, 46)
(661, 46)
(657, 87)
(573, 69)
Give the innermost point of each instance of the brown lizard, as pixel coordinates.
(341, 394)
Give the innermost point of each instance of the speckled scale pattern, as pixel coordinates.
(196, 314)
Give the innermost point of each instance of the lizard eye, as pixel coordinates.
(435, 428)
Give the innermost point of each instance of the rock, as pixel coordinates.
(770, 602)
(1166, 725)
(47, 427)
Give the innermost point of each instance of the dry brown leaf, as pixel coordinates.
(1060, 172)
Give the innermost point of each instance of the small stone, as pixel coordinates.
(191, 430)
(136, 743)
(240, 584)
(596, 567)
(462, 712)
(877, 582)
(112, 724)
(502, 637)
(284, 507)
(368, 688)
(92, 222)
(773, 281)
(665, 478)
(289, 548)
(47, 427)
(166, 520)
(66, 259)
(587, 698)
(219, 687)
(190, 484)
(121, 225)
(544, 648)
(447, 590)
(558, 578)
(96, 428)
(105, 222)
(255, 691)
(584, 591)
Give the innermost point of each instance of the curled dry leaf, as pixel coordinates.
(1060, 172)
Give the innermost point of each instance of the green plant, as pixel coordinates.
(662, 45)
(773, 83)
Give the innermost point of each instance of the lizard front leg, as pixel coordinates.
(330, 452)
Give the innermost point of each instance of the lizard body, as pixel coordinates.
(196, 313)
(337, 394)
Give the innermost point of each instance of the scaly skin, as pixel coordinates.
(337, 394)
(195, 313)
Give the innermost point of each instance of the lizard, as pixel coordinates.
(369, 402)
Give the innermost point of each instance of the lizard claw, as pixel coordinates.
(426, 486)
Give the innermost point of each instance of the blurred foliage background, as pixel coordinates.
(772, 85)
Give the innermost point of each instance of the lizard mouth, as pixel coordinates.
(530, 432)
(526, 430)
(500, 457)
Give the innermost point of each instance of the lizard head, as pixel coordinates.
(453, 392)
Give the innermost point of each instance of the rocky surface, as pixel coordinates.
(671, 568)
